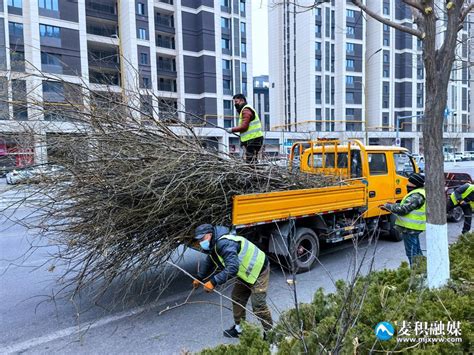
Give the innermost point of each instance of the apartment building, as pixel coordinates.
(336, 73)
(192, 54)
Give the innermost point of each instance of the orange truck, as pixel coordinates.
(292, 224)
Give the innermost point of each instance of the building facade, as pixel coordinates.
(337, 73)
(192, 55)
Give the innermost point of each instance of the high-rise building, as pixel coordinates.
(191, 54)
(336, 72)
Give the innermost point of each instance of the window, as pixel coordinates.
(242, 27)
(144, 58)
(386, 89)
(385, 10)
(350, 47)
(317, 29)
(349, 97)
(227, 105)
(227, 84)
(386, 28)
(349, 80)
(385, 103)
(350, 13)
(350, 30)
(385, 58)
(318, 46)
(51, 59)
(141, 9)
(244, 67)
(225, 22)
(386, 42)
(242, 7)
(51, 5)
(146, 82)
(403, 164)
(244, 87)
(350, 64)
(225, 43)
(377, 164)
(50, 31)
(317, 64)
(15, 3)
(142, 33)
(226, 64)
(225, 3)
(350, 112)
(318, 11)
(15, 29)
(386, 73)
(243, 48)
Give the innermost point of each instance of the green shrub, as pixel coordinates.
(344, 321)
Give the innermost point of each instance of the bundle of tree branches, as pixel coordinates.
(135, 184)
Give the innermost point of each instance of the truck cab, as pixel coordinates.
(385, 169)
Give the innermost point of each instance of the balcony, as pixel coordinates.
(165, 42)
(164, 23)
(104, 78)
(101, 11)
(102, 30)
(167, 85)
(169, 2)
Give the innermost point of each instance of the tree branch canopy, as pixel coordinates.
(388, 22)
(465, 12)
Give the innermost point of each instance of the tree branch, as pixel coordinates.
(464, 13)
(390, 23)
(417, 5)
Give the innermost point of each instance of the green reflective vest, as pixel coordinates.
(251, 259)
(416, 219)
(255, 126)
(466, 193)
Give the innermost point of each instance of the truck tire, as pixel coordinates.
(305, 250)
(394, 235)
(455, 215)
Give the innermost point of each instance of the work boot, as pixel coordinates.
(232, 332)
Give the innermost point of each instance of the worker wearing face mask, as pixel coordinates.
(230, 256)
(411, 216)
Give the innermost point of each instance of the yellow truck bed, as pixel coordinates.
(252, 209)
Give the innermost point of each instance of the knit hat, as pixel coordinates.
(202, 230)
(417, 179)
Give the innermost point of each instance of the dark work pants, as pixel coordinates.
(466, 208)
(252, 148)
(412, 246)
(258, 294)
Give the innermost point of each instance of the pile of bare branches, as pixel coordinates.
(134, 185)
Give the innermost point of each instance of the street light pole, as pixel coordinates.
(366, 96)
(397, 121)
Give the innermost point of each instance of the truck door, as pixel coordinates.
(380, 182)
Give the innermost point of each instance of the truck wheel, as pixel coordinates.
(305, 250)
(455, 215)
(394, 235)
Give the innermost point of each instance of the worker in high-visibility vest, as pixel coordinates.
(235, 257)
(464, 197)
(250, 128)
(411, 216)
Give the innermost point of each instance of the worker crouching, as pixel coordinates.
(230, 256)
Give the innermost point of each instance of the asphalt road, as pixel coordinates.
(32, 322)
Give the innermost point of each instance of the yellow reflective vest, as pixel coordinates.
(251, 259)
(469, 190)
(255, 126)
(415, 220)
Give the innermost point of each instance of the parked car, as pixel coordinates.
(458, 156)
(33, 174)
(449, 157)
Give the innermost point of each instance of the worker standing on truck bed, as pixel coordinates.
(250, 128)
(411, 216)
(463, 196)
(235, 256)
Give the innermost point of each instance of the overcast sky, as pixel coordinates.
(260, 37)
